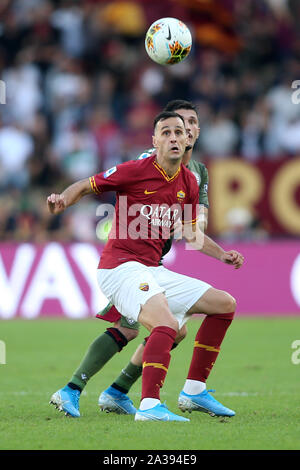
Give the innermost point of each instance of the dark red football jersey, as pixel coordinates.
(148, 205)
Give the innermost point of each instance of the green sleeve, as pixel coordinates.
(145, 154)
(201, 175)
(203, 188)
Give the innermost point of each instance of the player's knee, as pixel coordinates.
(118, 337)
(172, 323)
(129, 333)
(229, 303)
(156, 313)
(181, 334)
(169, 321)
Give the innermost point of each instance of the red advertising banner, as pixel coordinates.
(270, 190)
(60, 280)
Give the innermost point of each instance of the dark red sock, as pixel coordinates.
(156, 359)
(207, 345)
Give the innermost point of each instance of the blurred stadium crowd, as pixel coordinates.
(81, 94)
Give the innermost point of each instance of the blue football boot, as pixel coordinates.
(66, 399)
(203, 402)
(112, 400)
(158, 413)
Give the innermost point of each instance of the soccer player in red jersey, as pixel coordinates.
(116, 337)
(162, 192)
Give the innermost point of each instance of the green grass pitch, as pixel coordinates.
(254, 375)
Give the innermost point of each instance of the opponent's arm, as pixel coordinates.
(201, 242)
(195, 236)
(57, 203)
(203, 197)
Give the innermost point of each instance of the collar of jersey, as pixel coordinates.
(162, 171)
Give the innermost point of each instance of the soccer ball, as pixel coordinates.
(168, 41)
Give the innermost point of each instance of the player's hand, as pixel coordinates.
(233, 257)
(56, 203)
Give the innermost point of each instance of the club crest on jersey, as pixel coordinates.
(144, 286)
(110, 172)
(180, 195)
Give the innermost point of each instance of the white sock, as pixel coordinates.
(148, 403)
(194, 387)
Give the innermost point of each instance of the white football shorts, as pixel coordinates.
(131, 284)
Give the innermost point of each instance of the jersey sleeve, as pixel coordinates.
(115, 179)
(146, 154)
(203, 188)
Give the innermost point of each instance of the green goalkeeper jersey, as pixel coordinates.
(201, 175)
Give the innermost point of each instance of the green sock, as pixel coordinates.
(128, 376)
(98, 354)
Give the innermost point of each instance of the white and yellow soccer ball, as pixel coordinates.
(168, 41)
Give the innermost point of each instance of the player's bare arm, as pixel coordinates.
(201, 242)
(57, 203)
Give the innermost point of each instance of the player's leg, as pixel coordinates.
(98, 354)
(219, 307)
(132, 372)
(187, 296)
(145, 302)
(102, 349)
(114, 398)
(156, 316)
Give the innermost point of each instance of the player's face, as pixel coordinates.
(191, 125)
(170, 138)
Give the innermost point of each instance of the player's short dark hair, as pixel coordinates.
(174, 105)
(166, 115)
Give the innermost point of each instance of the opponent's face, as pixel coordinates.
(191, 125)
(170, 138)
